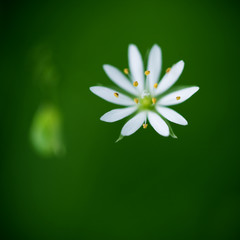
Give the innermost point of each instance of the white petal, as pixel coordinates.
(118, 78)
(158, 124)
(154, 66)
(170, 78)
(108, 95)
(172, 115)
(118, 114)
(171, 98)
(133, 124)
(136, 66)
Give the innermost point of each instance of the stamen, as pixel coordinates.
(116, 94)
(126, 71)
(168, 70)
(145, 125)
(135, 84)
(178, 97)
(155, 85)
(147, 72)
(154, 100)
(136, 100)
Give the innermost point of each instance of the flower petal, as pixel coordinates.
(170, 77)
(136, 66)
(118, 78)
(177, 96)
(158, 124)
(133, 124)
(118, 114)
(108, 95)
(154, 66)
(172, 115)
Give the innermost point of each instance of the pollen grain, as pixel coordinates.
(136, 100)
(126, 71)
(135, 84)
(178, 97)
(145, 125)
(154, 100)
(147, 72)
(168, 70)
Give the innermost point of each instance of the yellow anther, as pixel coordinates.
(136, 100)
(154, 100)
(178, 97)
(147, 72)
(155, 85)
(135, 84)
(126, 71)
(168, 70)
(116, 94)
(145, 125)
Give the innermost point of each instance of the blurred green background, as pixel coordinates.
(68, 179)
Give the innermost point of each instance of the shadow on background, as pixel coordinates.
(62, 175)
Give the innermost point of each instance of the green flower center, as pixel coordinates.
(147, 101)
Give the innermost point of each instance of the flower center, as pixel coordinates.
(146, 100)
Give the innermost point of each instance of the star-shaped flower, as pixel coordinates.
(145, 97)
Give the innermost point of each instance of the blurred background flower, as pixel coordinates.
(46, 128)
(46, 131)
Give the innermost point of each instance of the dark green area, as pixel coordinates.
(145, 186)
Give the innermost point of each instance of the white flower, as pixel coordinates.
(145, 96)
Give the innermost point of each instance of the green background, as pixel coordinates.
(146, 186)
